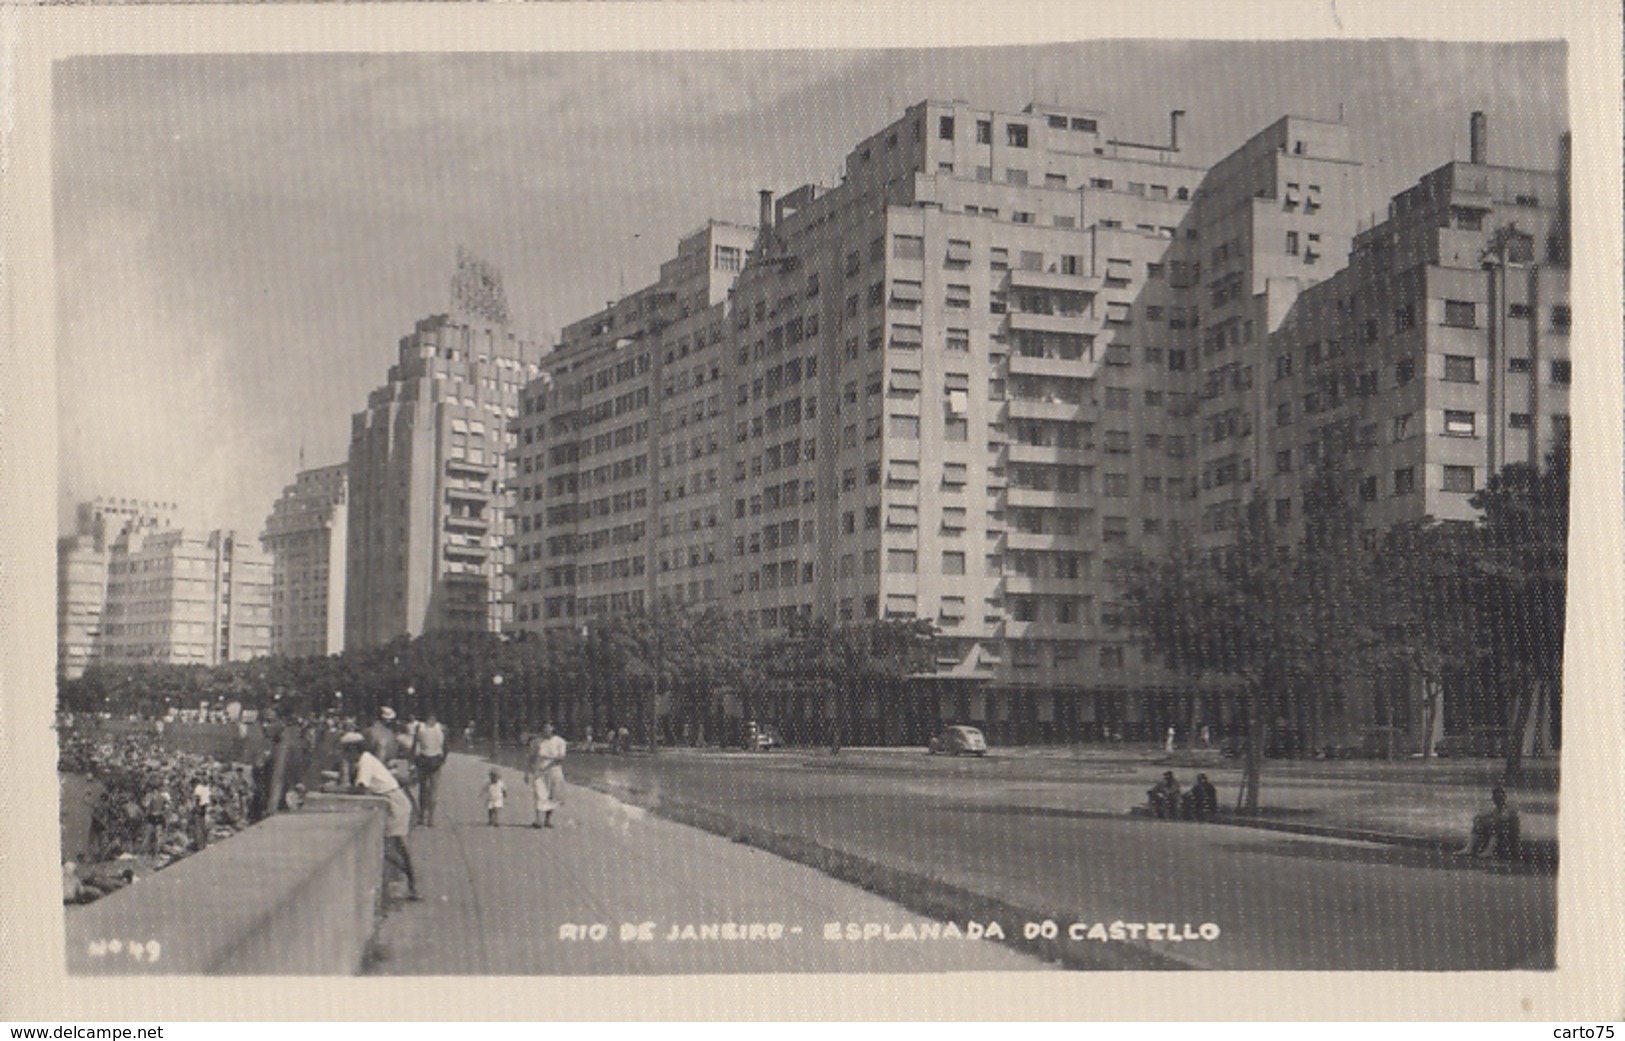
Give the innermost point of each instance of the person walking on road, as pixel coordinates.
(544, 772)
(431, 756)
(496, 794)
(370, 775)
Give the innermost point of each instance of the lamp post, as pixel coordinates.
(496, 713)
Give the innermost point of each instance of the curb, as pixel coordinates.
(1325, 831)
(1535, 851)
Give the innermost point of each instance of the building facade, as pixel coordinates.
(307, 537)
(82, 565)
(429, 482)
(1005, 353)
(185, 598)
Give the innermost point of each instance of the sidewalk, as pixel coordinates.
(496, 901)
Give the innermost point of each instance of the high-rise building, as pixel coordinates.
(185, 598)
(82, 563)
(307, 538)
(1005, 353)
(621, 447)
(1436, 357)
(430, 490)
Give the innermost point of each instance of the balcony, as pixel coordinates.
(1017, 540)
(467, 524)
(1014, 630)
(1028, 408)
(1043, 499)
(1020, 453)
(1026, 365)
(468, 468)
(1031, 585)
(1020, 279)
(1078, 324)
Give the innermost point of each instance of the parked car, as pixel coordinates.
(958, 741)
(752, 736)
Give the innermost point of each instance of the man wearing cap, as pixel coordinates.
(369, 774)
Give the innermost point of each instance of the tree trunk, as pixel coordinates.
(1247, 798)
(1515, 730)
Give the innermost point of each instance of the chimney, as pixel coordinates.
(1173, 129)
(1479, 138)
(764, 216)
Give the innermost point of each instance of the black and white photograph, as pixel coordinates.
(995, 508)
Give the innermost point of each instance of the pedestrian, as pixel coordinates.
(544, 771)
(202, 795)
(1207, 736)
(1168, 745)
(431, 756)
(468, 734)
(496, 794)
(156, 804)
(371, 776)
(1494, 831)
(587, 740)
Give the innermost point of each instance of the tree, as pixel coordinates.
(1225, 613)
(1333, 624)
(1522, 553)
(1428, 591)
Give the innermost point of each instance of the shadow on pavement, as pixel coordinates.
(1535, 861)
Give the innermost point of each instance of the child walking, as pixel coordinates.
(496, 793)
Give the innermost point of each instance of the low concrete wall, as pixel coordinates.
(296, 894)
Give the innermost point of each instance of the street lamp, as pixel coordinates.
(496, 713)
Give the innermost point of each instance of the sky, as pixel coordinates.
(242, 240)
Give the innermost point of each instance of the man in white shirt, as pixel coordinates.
(370, 775)
(431, 756)
(545, 773)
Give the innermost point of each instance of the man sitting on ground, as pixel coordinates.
(1495, 830)
(1164, 796)
(1202, 801)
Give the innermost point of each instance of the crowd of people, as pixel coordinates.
(154, 803)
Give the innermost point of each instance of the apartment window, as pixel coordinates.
(1368, 489)
(1283, 511)
(1460, 424)
(1021, 217)
(1111, 658)
(958, 340)
(945, 127)
(1015, 135)
(1283, 366)
(1462, 314)
(953, 520)
(1119, 442)
(908, 247)
(1561, 372)
(1520, 421)
(1404, 371)
(1113, 529)
(906, 427)
(1561, 318)
(1402, 426)
(984, 131)
(953, 562)
(1404, 481)
(954, 475)
(1519, 365)
(1460, 368)
(1292, 243)
(1458, 479)
(1016, 177)
(1283, 461)
(958, 297)
(901, 561)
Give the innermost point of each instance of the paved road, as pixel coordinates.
(496, 900)
(1028, 837)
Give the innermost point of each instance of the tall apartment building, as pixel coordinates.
(430, 489)
(1438, 356)
(1007, 351)
(620, 465)
(82, 565)
(307, 537)
(185, 598)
